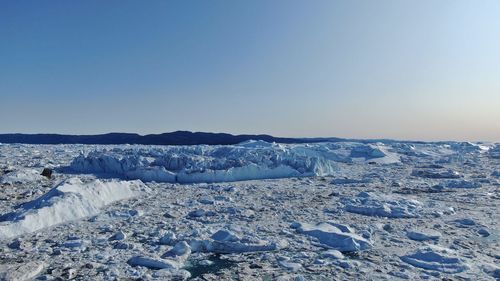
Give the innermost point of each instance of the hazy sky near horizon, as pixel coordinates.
(419, 69)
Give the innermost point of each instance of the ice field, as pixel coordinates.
(252, 211)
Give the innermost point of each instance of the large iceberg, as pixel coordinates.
(203, 163)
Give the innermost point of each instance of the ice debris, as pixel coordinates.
(226, 242)
(382, 206)
(436, 258)
(446, 174)
(334, 237)
(462, 184)
(423, 234)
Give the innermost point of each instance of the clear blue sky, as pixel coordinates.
(418, 69)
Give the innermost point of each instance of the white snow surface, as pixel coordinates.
(71, 200)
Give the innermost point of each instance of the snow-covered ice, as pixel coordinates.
(70, 200)
(253, 211)
(188, 164)
(369, 204)
(436, 258)
(332, 236)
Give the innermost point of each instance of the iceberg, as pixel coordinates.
(203, 163)
(71, 200)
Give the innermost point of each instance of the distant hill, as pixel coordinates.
(173, 138)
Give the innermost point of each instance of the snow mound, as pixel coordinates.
(22, 176)
(334, 236)
(191, 164)
(436, 258)
(382, 206)
(70, 200)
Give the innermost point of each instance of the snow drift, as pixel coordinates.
(70, 200)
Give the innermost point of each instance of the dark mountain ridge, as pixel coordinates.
(173, 138)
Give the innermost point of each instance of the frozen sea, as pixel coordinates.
(252, 211)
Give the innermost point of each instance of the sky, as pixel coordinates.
(413, 70)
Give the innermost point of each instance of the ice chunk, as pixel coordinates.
(120, 235)
(462, 184)
(436, 258)
(225, 235)
(172, 274)
(382, 206)
(292, 266)
(22, 176)
(168, 238)
(152, 263)
(375, 153)
(447, 174)
(423, 234)
(333, 237)
(465, 222)
(23, 271)
(340, 181)
(495, 152)
(332, 254)
(71, 200)
(367, 152)
(180, 252)
(226, 242)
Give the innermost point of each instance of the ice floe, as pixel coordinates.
(423, 234)
(436, 174)
(436, 258)
(462, 184)
(226, 242)
(331, 236)
(377, 205)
